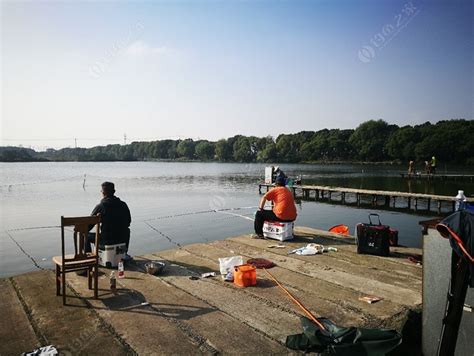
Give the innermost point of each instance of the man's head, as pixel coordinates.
(280, 181)
(108, 189)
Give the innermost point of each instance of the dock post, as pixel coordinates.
(439, 206)
(358, 199)
(374, 200)
(316, 195)
(409, 203)
(416, 204)
(429, 204)
(329, 196)
(343, 198)
(387, 201)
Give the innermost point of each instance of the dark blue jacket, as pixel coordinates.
(115, 220)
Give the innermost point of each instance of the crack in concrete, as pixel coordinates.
(39, 335)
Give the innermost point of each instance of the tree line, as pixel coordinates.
(451, 141)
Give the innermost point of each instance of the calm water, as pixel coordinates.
(173, 203)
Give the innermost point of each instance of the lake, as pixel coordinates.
(180, 202)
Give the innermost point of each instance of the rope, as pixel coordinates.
(296, 301)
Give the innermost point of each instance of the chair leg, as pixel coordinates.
(89, 277)
(58, 281)
(96, 282)
(63, 281)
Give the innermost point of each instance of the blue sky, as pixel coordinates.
(213, 69)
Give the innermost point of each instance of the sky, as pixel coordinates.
(95, 73)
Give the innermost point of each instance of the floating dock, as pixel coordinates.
(181, 313)
(439, 176)
(376, 198)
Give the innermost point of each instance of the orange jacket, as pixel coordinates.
(284, 203)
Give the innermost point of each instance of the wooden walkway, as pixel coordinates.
(181, 313)
(455, 177)
(376, 198)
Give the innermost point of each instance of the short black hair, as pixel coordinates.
(108, 188)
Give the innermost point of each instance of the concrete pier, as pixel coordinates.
(178, 312)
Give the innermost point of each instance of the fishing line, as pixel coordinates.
(234, 214)
(23, 250)
(40, 182)
(33, 228)
(164, 235)
(199, 212)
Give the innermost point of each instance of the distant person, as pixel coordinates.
(115, 219)
(411, 168)
(279, 173)
(433, 165)
(427, 167)
(284, 208)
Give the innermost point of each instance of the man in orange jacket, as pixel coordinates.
(284, 208)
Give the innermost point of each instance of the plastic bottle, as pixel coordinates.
(113, 281)
(460, 201)
(121, 270)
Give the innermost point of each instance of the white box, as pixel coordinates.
(269, 175)
(111, 255)
(278, 230)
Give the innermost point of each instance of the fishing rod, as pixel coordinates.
(297, 302)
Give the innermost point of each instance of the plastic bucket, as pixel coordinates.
(245, 275)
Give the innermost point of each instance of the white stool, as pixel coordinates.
(110, 255)
(278, 230)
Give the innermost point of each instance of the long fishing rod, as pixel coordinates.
(296, 301)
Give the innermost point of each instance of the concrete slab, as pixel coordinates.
(16, 333)
(144, 327)
(74, 328)
(175, 314)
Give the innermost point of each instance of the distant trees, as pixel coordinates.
(451, 141)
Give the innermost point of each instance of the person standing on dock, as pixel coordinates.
(284, 208)
(115, 216)
(433, 165)
(411, 168)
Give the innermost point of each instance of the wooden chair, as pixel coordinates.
(81, 260)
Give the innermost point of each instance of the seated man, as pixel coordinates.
(115, 219)
(284, 208)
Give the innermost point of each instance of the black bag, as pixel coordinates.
(373, 239)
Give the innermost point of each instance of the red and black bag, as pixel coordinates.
(373, 239)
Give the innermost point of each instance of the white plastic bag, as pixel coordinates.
(227, 264)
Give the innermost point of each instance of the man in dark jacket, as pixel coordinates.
(115, 218)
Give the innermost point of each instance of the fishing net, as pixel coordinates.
(260, 263)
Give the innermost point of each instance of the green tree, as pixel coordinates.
(243, 150)
(205, 150)
(369, 140)
(186, 148)
(224, 150)
(288, 148)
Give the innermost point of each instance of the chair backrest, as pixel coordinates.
(82, 225)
